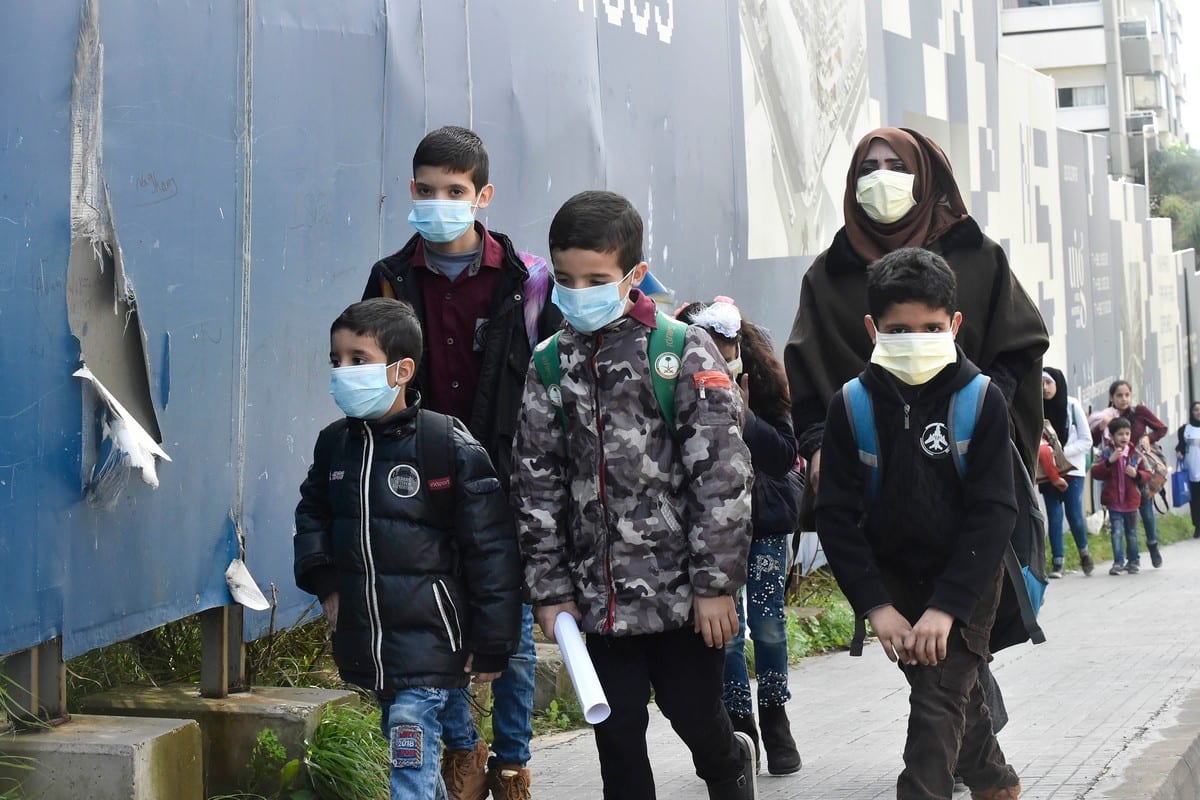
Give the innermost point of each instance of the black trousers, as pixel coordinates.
(687, 679)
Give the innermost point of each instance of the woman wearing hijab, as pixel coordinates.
(901, 192)
(1147, 429)
(1065, 415)
(1188, 450)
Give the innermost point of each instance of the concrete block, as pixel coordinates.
(229, 726)
(550, 679)
(110, 758)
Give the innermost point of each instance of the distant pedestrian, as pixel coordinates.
(1188, 450)
(1120, 469)
(916, 543)
(775, 510)
(1065, 415)
(1146, 428)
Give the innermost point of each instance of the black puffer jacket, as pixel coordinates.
(417, 594)
(776, 508)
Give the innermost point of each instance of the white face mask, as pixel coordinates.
(886, 196)
(914, 357)
(735, 366)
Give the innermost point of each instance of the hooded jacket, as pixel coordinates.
(417, 594)
(618, 513)
(521, 315)
(1002, 332)
(939, 535)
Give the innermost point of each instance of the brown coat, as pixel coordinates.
(1002, 332)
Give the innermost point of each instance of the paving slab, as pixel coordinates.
(1108, 708)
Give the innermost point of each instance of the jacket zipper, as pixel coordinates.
(443, 599)
(372, 598)
(612, 589)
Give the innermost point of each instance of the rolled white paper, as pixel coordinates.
(579, 667)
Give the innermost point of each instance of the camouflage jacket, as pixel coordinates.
(616, 513)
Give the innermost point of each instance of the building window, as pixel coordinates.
(1077, 96)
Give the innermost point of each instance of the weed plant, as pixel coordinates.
(347, 758)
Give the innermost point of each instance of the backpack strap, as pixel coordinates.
(435, 456)
(549, 370)
(861, 413)
(665, 353)
(965, 406)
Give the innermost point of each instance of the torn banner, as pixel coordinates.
(127, 447)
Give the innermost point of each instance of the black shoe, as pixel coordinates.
(1155, 556)
(782, 756)
(746, 725)
(745, 785)
(1086, 563)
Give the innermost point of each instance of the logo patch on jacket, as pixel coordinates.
(337, 474)
(935, 440)
(667, 366)
(404, 481)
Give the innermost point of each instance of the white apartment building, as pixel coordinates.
(1115, 65)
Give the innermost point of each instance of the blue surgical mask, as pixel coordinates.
(363, 391)
(589, 309)
(441, 220)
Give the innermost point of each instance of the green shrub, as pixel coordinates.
(347, 758)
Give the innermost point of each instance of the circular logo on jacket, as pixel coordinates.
(404, 481)
(935, 440)
(667, 366)
(555, 393)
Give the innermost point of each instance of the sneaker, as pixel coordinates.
(465, 772)
(748, 780)
(1132, 569)
(1055, 573)
(509, 782)
(1155, 556)
(1116, 569)
(1086, 563)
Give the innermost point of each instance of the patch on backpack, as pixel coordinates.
(555, 393)
(406, 745)
(935, 440)
(404, 481)
(667, 366)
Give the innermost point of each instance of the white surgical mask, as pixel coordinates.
(914, 357)
(885, 195)
(735, 365)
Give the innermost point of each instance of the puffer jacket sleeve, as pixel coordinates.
(486, 537)
(708, 416)
(540, 497)
(311, 544)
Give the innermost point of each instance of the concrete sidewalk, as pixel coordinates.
(1108, 707)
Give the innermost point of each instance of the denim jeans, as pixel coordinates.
(1123, 527)
(512, 707)
(1072, 500)
(411, 724)
(765, 590)
(1149, 521)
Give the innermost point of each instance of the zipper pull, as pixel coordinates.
(907, 407)
(701, 390)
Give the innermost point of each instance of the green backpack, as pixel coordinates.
(666, 356)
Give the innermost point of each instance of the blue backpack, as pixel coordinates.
(1026, 580)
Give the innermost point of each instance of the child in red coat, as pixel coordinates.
(1123, 476)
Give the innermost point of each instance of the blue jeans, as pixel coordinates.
(412, 727)
(1123, 527)
(1149, 521)
(512, 707)
(765, 588)
(1072, 500)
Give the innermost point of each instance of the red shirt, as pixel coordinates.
(456, 316)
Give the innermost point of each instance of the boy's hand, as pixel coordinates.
(893, 631)
(1115, 457)
(716, 619)
(930, 635)
(814, 470)
(330, 607)
(482, 677)
(545, 616)
(1131, 471)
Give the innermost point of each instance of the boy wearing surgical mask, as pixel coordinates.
(482, 306)
(636, 526)
(421, 591)
(920, 556)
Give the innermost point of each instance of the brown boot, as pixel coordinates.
(509, 782)
(465, 772)
(1007, 793)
